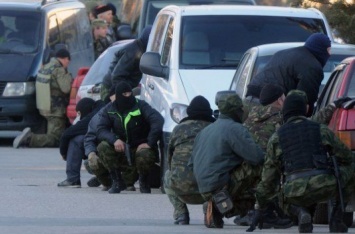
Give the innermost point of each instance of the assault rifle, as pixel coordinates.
(339, 183)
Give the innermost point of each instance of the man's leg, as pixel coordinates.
(145, 159)
(112, 160)
(55, 128)
(75, 156)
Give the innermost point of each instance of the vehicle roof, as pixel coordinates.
(35, 4)
(246, 10)
(270, 49)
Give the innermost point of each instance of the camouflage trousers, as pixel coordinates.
(243, 180)
(179, 201)
(319, 189)
(142, 161)
(55, 129)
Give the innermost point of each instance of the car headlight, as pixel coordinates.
(178, 112)
(19, 89)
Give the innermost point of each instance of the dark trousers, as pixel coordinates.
(75, 156)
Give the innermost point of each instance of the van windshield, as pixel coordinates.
(19, 32)
(212, 42)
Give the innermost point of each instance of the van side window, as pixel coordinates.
(165, 54)
(67, 26)
(53, 36)
(162, 23)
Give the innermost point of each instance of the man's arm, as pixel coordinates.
(155, 121)
(64, 79)
(104, 127)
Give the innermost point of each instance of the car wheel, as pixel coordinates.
(321, 214)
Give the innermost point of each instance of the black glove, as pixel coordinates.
(339, 102)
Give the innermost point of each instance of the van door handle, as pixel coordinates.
(151, 86)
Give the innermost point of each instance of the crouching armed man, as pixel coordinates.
(304, 156)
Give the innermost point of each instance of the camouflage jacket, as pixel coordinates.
(179, 152)
(269, 185)
(60, 85)
(262, 122)
(100, 45)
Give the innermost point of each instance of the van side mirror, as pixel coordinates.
(124, 32)
(150, 65)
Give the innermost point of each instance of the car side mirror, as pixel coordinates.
(150, 65)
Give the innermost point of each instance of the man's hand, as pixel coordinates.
(119, 145)
(93, 160)
(143, 146)
(339, 102)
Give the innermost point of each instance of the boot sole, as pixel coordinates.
(19, 139)
(93, 182)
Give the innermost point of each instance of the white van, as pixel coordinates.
(195, 50)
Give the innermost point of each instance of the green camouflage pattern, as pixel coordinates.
(142, 161)
(243, 181)
(324, 115)
(60, 85)
(262, 122)
(229, 104)
(100, 45)
(182, 179)
(55, 129)
(104, 92)
(298, 92)
(304, 191)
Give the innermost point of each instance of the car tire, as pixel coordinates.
(321, 214)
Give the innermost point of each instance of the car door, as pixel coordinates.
(160, 42)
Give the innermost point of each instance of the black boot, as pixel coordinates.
(336, 223)
(117, 182)
(183, 219)
(304, 219)
(144, 186)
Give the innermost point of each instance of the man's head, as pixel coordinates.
(232, 106)
(295, 105)
(124, 98)
(272, 93)
(104, 12)
(99, 28)
(63, 56)
(84, 107)
(199, 107)
(144, 36)
(319, 45)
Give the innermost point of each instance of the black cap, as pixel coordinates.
(199, 106)
(63, 53)
(85, 106)
(270, 93)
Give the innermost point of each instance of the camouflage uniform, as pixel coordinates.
(179, 181)
(262, 122)
(143, 161)
(305, 191)
(224, 154)
(100, 45)
(60, 84)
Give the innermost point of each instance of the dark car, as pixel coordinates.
(341, 83)
(30, 34)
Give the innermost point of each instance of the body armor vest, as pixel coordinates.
(43, 86)
(302, 147)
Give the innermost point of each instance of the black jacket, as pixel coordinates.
(125, 65)
(80, 128)
(90, 140)
(294, 68)
(145, 127)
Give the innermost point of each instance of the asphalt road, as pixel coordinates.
(31, 202)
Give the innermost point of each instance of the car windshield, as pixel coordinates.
(220, 41)
(19, 32)
(99, 69)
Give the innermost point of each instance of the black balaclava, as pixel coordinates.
(294, 105)
(123, 103)
(199, 109)
(85, 106)
(317, 44)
